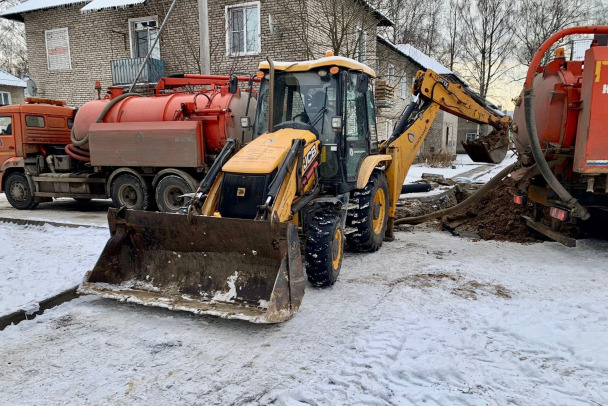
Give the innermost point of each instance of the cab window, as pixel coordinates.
(34, 121)
(6, 125)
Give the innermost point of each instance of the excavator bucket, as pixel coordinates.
(231, 268)
(491, 148)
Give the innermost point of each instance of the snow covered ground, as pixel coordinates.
(37, 262)
(429, 319)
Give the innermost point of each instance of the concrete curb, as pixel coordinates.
(29, 222)
(20, 315)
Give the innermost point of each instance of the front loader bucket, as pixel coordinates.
(491, 148)
(231, 268)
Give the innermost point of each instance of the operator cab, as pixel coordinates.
(331, 97)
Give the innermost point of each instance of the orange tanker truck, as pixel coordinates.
(143, 152)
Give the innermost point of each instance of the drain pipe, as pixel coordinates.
(576, 208)
(270, 94)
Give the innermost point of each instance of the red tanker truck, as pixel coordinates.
(143, 152)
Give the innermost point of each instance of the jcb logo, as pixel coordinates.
(310, 156)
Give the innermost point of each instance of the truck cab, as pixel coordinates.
(28, 131)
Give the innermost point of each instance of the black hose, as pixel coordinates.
(541, 162)
(474, 198)
(102, 115)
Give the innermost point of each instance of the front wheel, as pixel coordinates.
(128, 191)
(18, 192)
(370, 217)
(324, 248)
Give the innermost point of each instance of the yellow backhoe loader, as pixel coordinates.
(314, 180)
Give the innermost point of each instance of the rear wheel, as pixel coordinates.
(127, 190)
(18, 192)
(168, 192)
(324, 248)
(370, 217)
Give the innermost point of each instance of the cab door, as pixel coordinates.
(357, 133)
(7, 137)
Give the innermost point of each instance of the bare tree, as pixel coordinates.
(417, 23)
(539, 19)
(488, 41)
(13, 54)
(452, 48)
(342, 26)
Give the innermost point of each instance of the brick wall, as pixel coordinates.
(16, 93)
(318, 31)
(99, 37)
(443, 133)
(404, 69)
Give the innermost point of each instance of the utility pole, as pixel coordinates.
(203, 23)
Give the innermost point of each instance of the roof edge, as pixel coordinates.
(16, 12)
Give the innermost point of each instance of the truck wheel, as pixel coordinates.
(127, 190)
(168, 192)
(370, 217)
(324, 249)
(18, 192)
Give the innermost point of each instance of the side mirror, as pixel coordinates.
(233, 84)
(362, 82)
(245, 122)
(336, 123)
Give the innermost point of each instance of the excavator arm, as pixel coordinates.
(437, 93)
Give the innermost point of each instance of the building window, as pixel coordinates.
(361, 46)
(143, 32)
(404, 86)
(5, 98)
(391, 73)
(389, 128)
(58, 49)
(471, 136)
(243, 29)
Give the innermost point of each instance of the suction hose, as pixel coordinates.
(102, 115)
(474, 198)
(541, 162)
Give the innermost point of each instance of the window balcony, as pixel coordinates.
(125, 70)
(385, 93)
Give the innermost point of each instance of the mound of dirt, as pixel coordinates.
(495, 217)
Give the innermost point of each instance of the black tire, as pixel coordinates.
(168, 191)
(324, 248)
(18, 192)
(369, 219)
(127, 190)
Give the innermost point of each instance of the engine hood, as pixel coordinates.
(264, 154)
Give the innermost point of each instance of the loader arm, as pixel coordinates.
(434, 93)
